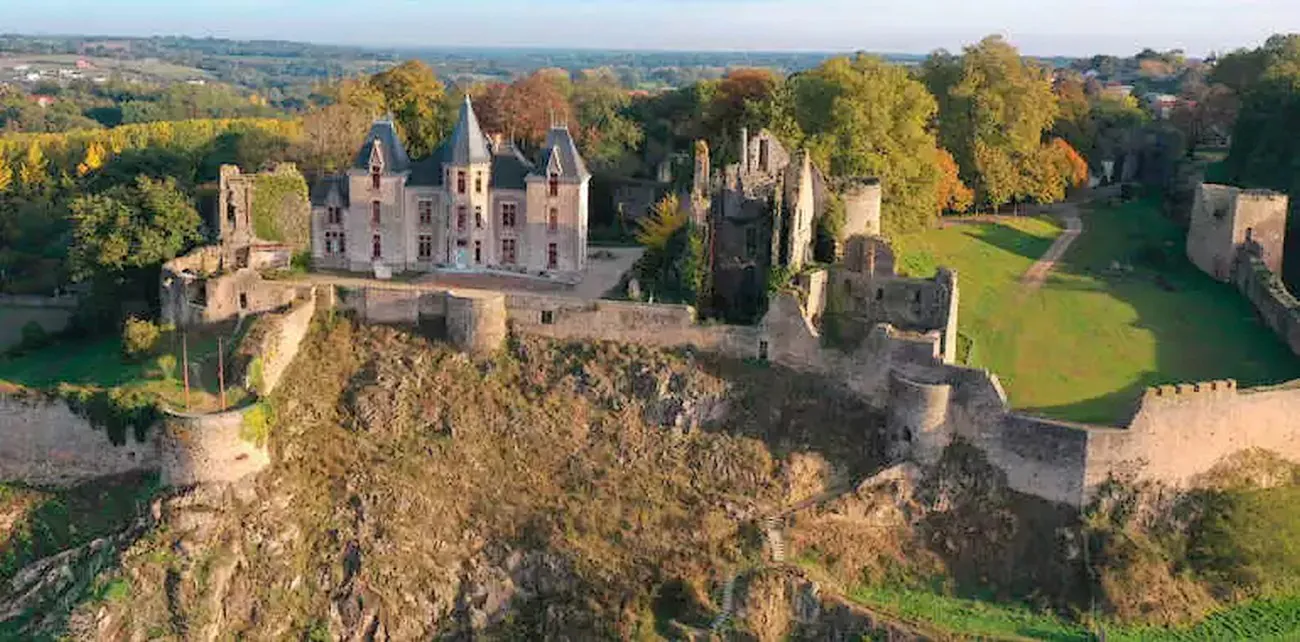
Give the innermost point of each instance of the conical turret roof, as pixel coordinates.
(468, 144)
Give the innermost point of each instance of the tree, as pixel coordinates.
(995, 117)
(413, 94)
(605, 135)
(864, 117)
(131, 227)
(672, 267)
(1074, 121)
(33, 173)
(95, 156)
(6, 175)
(954, 196)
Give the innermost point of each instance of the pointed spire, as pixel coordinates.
(468, 144)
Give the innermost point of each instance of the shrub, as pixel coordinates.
(256, 426)
(167, 366)
(140, 339)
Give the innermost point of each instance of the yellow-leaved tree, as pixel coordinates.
(94, 160)
(6, 175)
(657, 229)
(32, 173)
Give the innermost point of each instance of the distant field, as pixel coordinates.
(151, 67)
(1085, 346)
(12, 320)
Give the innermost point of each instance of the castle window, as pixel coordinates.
(509, 212)
(425, 208)
(460, 182)
(763, 154)
(343, 244)
(916, 296)
(462, 217)
(334, 215)
(762, 350)
(231, 209)
(548, 317)
(552, 256)
(478, 217)
(478, 251)
(553, 220)
(376, 247)
(508, 251)
(880, 294)
(243, 300)
(555, 184)
(375, 172)
(478, 183)
(374, 212)
(425, 247)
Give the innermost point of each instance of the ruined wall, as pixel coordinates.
(1225, 218)
(1182, 431)
(476, 322)
(273, 342)
(1279, 309)
(864, 299)
(918, 417)
(207, 448)
(862, 207)
(44, 443)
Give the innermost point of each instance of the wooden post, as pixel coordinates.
(185, 368)
(221, 373)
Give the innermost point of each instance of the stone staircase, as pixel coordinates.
(772, 532)
(728, 606)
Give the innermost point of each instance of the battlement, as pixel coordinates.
(1257, 194)
(1185, 391)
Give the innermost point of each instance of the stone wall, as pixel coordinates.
(1225, 219)
(1183, 431)
(273, 342)
(207, 448)
(476, 322)
(44, 443)
(1279, 309)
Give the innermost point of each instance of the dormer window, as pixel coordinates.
(460, 182)
(375, 172)
(554, 184)
(478, 183)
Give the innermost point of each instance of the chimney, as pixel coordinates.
(744, 149)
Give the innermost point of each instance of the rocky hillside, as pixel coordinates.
(556, 490)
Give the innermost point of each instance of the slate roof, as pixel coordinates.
(510, 168)
(561, 154)
(320, 190)
(468, 144)
(428, 170)
(395, 157)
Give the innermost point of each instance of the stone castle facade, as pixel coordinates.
(473, 204)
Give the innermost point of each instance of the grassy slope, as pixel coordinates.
(1091, 339)
(99, 363)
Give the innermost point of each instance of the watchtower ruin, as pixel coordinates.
(1226, 220)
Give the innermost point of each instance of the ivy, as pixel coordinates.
(280, 207)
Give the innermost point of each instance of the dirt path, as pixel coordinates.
(1037, 273)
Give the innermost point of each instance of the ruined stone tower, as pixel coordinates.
(1227, 219)
(862, 202)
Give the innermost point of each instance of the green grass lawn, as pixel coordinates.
(1085, 345)
(1273, 620)
(99, 364)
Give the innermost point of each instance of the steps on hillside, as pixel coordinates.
(728, 605)
(772, 532)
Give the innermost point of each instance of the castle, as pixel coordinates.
(762, 212)
(472, 204)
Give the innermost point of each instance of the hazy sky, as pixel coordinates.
(1038, 26)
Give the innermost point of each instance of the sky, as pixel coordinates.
(1038, 27)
